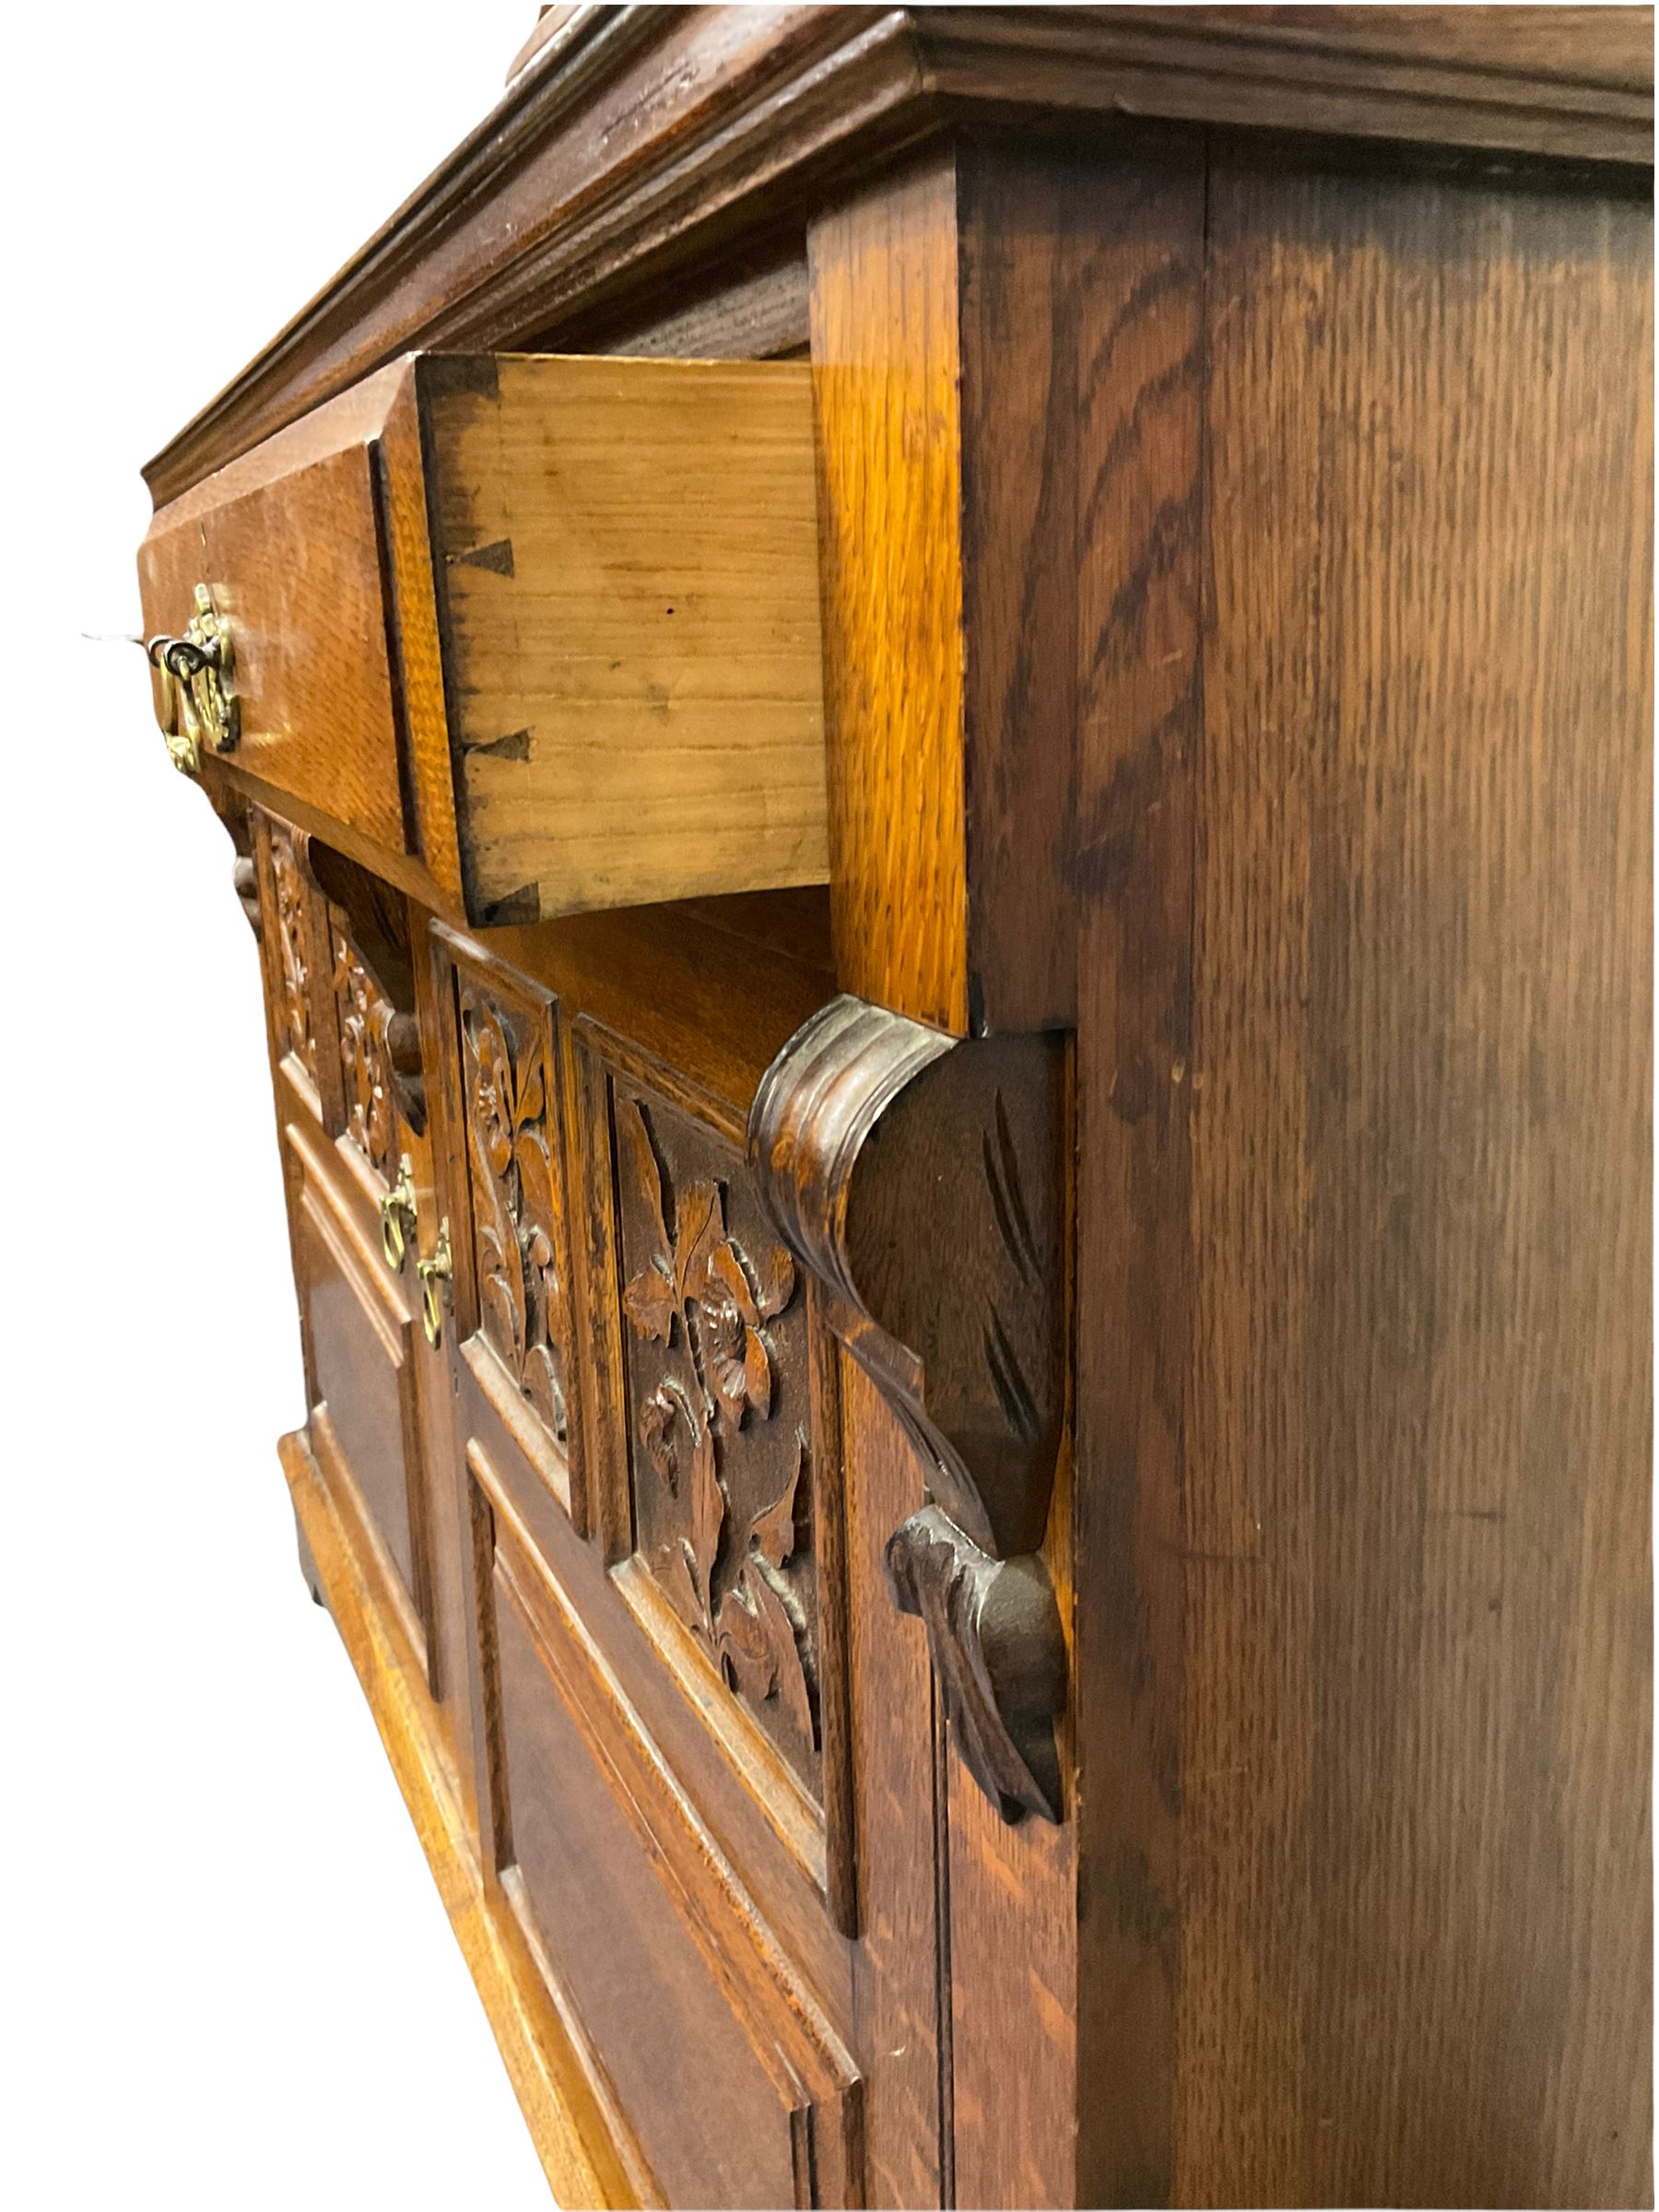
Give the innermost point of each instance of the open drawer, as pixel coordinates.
(530, 634)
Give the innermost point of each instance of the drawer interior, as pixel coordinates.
(533, 635)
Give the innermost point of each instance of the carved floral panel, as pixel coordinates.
(512, 1144)
(720, 1443)
(365, 1015)
(294, 1029)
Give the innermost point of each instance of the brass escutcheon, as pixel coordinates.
(184, 752)
(397, 1213)
(195, 672)
(434, 1287)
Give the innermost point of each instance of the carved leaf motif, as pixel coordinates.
(740, 1356)
(757, 1373)
(698, 1229)
(743, 1644)
(774, 1282)
(773, 1532)
(530, 1107)
(657, 1418)
(708, 1515)
(365, 1020)
(494, 1114)
(543, 1384)
(496, 1294)
(726, 1273)
(290, 945)
(513, 1206)
(727, 1344)
(649, 1303)
(758, 1647)
(694, 1293)
(642, 1165)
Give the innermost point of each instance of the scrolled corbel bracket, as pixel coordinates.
(923, 1180)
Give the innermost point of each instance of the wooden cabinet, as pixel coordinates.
(953, 854)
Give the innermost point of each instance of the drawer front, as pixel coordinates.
(295, 569)
(533, 636)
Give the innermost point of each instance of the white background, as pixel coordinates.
(228, 1981)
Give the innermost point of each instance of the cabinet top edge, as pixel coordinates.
(637, 136)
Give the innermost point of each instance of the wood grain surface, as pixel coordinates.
(627, 556)
(1416, 1711)
(886, 372)
(645, 141)
(291, 547)
(1024, 235)
(898, 1986)
(1236, 599)
(1140, 339)
(969, 517)
(535, 635)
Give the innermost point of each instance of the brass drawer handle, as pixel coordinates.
(434, 1287)
(398, 1217)
(195, 671)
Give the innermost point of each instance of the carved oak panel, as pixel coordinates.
(923, 1181)
(365, 1015)
(294, 1033)
(509, 1101)
(720, 1444)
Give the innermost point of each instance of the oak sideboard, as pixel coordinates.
(938, 724)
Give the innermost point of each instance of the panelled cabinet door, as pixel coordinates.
(648, 1422)
(350, 1093)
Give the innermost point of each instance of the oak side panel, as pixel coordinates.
(1077, 327)
(957, 516)
(1417, 1945)
(1027, 223)
(886, 374)
(1138, 667)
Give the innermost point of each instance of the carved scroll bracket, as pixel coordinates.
(923, 1180)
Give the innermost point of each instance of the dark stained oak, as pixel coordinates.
(645, 136)
(887, 376)
(959, 1318)
(1416, 1700)
(1134, 840)
(995, 1507)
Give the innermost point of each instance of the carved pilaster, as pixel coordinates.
(922, 1179)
